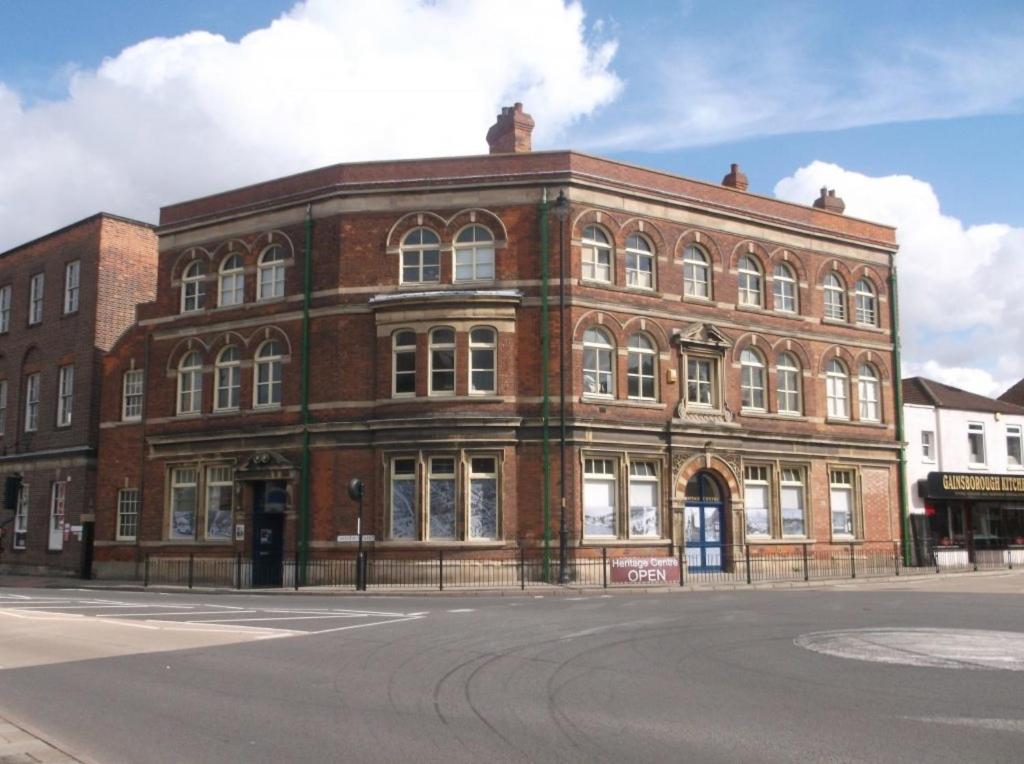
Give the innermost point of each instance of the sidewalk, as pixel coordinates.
(20, 747)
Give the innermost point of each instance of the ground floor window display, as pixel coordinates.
(969, 513)
(602, 502)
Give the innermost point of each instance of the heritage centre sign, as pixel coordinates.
(644, 570)
(966, 485)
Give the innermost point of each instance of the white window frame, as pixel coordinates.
(406, 350)
(792, 478)
(219, 478)
(36, 293)
(696, 273)
(193, 287)
(227, 379)
(5, 308)
(788, 392)
(639, 262)
(842, 481)
(1013, 434)
(3, 406)
(834, 291)
(436, 350)
(270, 273)
(33, 382)
(127, 514)
(869, 394)
(183, 478)
(20, 540)
(757, 479)
(65, 395)
(437, 472)
(190, 385)
(483, 359)
(927, 446)
(753, 381)
(474, 255)
(976, 430)
(599, 361)
(405, 476)
(268, 375)
(58, 510)
(865, 303)
(231, 281)
(642, 350)
(645, 473)
(601, 471)
(597, 260)
(475, 474)
(749, 282)
(72, 281)
(132, 391)
(418, 258)
(697, 383)
(784, 289)
(837, 390)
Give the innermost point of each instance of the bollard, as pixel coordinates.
(145, 572)
(238, 570)
(682, 565)
(896, 555)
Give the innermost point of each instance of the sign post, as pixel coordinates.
(355, 492)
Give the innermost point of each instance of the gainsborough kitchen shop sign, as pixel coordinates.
(966, 485)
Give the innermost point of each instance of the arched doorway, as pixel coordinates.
(704, 526)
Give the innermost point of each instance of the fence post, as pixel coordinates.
(1009, 556)
(440, 569)
(746, 548)
(238, 570)
(191, 566)
(807, 572)
(522, 569)
(295, 582)
(896, 555)
(853, 563)
(604, 567)
(682, 566)
(935, 560)
(145, 572)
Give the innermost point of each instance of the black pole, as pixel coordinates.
(562, 210)
(360, 561)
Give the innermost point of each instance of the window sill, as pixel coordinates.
(637, 542)
(596, 282)
(978, 467)
(751, 308)
(434, 544)
(784, 541)
(595, 400)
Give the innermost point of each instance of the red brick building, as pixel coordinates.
(726, 360)
(65, 298)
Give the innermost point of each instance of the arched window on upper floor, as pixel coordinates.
(271, 273)
(641, 368)
(866, 303)
(787, 385)
(696, 273)
(474, 254)
(750, 282)
(227, 379)
(837, 390)
(190, 383)
(598, 363)
(597, 255)
(784, 291)
(268, 374)
(421, 257)
(639, 262)
(231, 287)
(193, 286)
(868, 390)
(752, 380)
(835, 298)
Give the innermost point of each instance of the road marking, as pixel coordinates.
(462, 610)
(999, 725)
(357, 626)
(322, 616)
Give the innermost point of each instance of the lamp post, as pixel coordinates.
(561, 211)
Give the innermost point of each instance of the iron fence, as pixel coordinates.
(741, 564)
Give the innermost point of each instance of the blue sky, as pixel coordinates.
(913, 110)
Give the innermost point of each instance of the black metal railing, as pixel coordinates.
(522, 568)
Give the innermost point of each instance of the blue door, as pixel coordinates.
(703, 531)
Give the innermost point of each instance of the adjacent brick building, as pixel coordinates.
(726, 360)
(65, 298)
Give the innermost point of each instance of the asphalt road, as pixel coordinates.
(930, 671)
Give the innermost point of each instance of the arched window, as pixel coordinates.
(268, 373)
(193, 290)
(442, 361)
(231, 290)
(190, 384)
(404, 364)
(867, 393)
(229, 379)
(474, 254)
(421, 257)
(639, 262)
(752, 380)
(784, 289)
(696, 273)
(835, 298)
(482, 352)
(837, 391)
(598, 357)
(867, 310)
(787, 384)
(597, 255)
(271, 273)
(749, 282)
(641, 366)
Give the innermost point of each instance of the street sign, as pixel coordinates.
(355, 539)
(645, 570)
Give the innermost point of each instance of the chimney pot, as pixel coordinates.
(735, 179)
(829, 201)
(510, 134)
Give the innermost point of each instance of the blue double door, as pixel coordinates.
(703, 535)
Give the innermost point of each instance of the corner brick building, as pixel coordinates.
(726, 360)
(65, 298)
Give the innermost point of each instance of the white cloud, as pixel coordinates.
(329, 81)
(961, 312)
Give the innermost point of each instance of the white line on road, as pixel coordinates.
(322, 616)
(1000, 725)
(462, 610)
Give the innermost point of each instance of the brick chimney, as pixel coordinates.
(829, 201)
(735, 178)
(510, 134)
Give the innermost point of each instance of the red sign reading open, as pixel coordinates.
(645, 570)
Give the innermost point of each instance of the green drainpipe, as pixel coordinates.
(894, 306)
(545, 346)
(307, 297)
